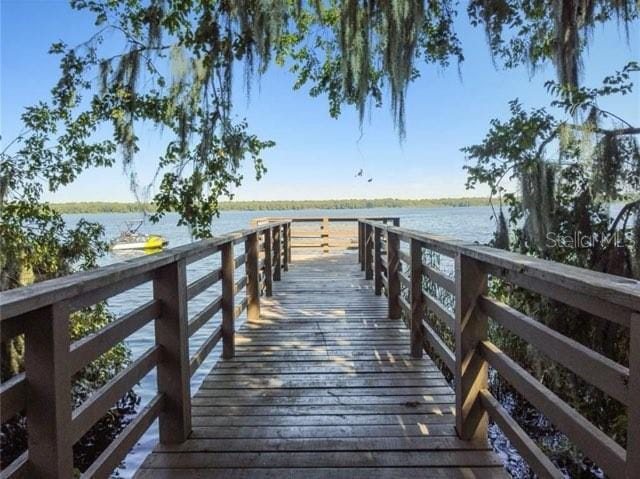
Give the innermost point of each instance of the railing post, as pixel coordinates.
(268, 263)
(393, 276)
(368, 251)
(49, 394)
(253, 282)
(325, 234)
(470, 329)
(361, 241)
(285, 245)
(289, 225)
(633, 411)
(228, 303)
(417, 306)
(277, 251)
(170, 287)
(377, 273)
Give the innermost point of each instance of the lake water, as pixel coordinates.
(469, 223)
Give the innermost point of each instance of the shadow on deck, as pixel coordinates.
(322, 385)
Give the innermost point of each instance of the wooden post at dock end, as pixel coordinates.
(325, 234)
(361, 245)
(174, 374)
(471, 370)
(268, 263)
(253, 280)
(377, 272)
(417, 304)
(49, 394)
(277, 253)
(228, 303)
(286, 249)
(393, 275)
(368, 251)
(633, 411)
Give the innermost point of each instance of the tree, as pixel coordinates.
(178, 60)
(36, 245)
(564, 178)
(534, 32)
(570, 188)
(176, 73)
(565, 173)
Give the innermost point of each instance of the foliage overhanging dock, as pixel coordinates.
(327, 376)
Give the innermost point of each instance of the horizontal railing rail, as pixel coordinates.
(456, 333)
(40, 312)
(325, 233)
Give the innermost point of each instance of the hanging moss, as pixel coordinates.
(608, 166)
(537, 181)
(501, 235)
(532, 33)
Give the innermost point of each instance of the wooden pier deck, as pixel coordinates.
(323, 379)
(322, 385)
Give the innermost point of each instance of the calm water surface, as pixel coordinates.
(470, 224)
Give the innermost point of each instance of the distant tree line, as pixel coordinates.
(109, 207)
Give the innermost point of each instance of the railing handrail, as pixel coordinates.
(52, 359)
(615, 289)
(308, 219)
(42, 313)
(458, 335)
(18, 301)
(327, 238)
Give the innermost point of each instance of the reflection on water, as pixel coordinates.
(125, 254)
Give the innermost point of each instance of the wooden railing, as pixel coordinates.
(324, 233)
(403, 276)
(41, 313)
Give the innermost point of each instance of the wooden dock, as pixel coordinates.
(331, 373)
(323, 386)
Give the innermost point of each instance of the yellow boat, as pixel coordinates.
(131, 239)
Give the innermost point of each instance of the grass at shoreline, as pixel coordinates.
(114, 207)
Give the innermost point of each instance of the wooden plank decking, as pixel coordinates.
(322, 386)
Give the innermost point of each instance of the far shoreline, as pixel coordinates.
(279, 205)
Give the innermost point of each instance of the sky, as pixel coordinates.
(316, 156)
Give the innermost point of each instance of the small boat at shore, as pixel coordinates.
(132, 239)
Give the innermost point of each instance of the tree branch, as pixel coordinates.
(620, 131)
(625, 211)
(545, 142)
(613, 132)
(605, 113)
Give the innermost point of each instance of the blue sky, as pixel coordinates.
(316, 156)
